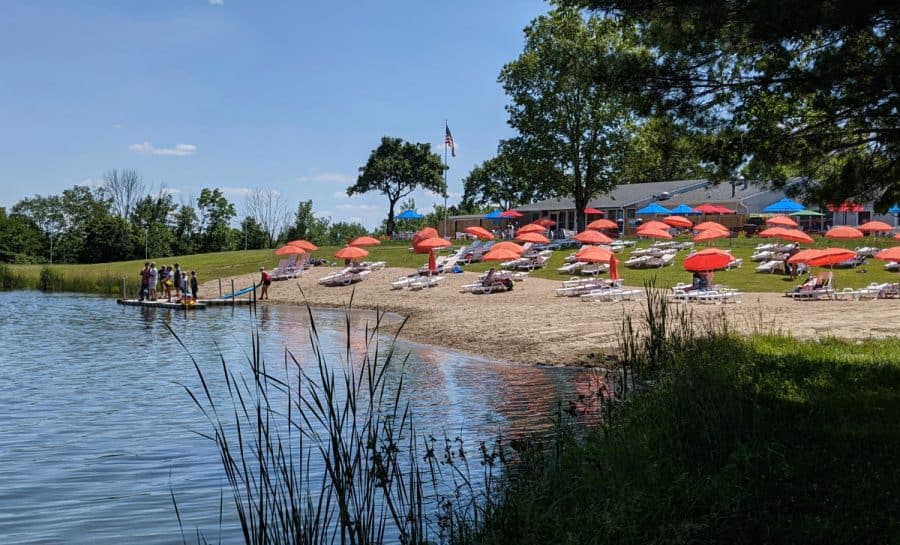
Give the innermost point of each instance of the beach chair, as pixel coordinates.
(594, 269)
(892, 266)
(571, 267)
(814, 288)
(423, 282)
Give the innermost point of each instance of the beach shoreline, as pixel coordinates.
(531, 325)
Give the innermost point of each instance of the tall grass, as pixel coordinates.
(382, 482)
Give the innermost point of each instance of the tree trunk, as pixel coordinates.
(390, 219)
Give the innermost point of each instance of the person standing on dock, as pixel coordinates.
(145, 281)
(195, 288)
(154, 279)
(265, 280)
(168, 283)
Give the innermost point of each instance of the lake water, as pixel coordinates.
(96, 433)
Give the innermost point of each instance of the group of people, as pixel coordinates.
(172, 280)
(702, 280)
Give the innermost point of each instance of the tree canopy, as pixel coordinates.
(572, 127)
(396, 169)
(788, 88)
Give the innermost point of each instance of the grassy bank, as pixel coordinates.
(741, 440)
(107, 277)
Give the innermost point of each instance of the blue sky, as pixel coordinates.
(241, 94)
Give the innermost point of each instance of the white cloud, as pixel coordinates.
(180, 150)
(170, 191)
(354, 219)
(216, 2)
(316, 175)
(236, 192)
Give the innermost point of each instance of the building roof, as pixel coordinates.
(626, 195)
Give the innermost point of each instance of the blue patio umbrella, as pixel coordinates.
(894, 209)
(409, 215)
(684, 210)
(653, 208)
(495, 215)
(784, 206)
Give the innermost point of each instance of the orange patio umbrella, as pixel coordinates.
(782, 221)
(678, 221)
(844, 232)
(290, 249)
(364, 241)
(501, 254)
(426, 233)
(594, 254)
(709, 259)
(479, 232)
(351, 252)
(429, 244)
(830, 256)
(531, 228)
(656, 233)
(791, 235)
(654, 225)
(508, 245)
(613, 268)
(592, 237)
(711, 234)
(889, 254)
(305, 244)
(804, 256)
(602, 224)
(875, 227)
(536, 238)
(896, 237)
(710, 225)
(546, 222)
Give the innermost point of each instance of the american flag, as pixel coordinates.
(448, 139)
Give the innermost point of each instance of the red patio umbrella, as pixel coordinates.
(508, 245)
(782, 221)
(305, 244)
(709, 259)
(546, 222)
(536, 238)
(804, 256)
(592, 237)
(896, 237)
(678, 221)
(830, 256)
(711, 234)
(710, 225)
(844, 232)
(426, 233)
(791, 235)
(653, 225)
(875, 227)
(594, 211)
(594, 254)
(364, 241)
(889, 254)
(845, 207)
(432, 262)
(501, 254)
(351, 252)
(707, 209)
(510, 214)
(656, 233)
(724, 210)
(430, 244)
(531, 228)
(602, 224)
(613, 268)
(479, 232)
(290, 249)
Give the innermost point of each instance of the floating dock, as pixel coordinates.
(201, 303)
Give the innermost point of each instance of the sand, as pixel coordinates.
(533, 326)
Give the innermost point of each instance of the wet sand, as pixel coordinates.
(530, 324)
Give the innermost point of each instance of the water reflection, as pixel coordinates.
(98, 431)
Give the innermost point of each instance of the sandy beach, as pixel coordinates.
(531, 325)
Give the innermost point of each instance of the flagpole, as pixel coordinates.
(446, 168)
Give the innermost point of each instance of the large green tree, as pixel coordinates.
(660, 149)
(572, 127)
(396, 169)
(789, 87)
(503, 182)
(215, 215)
(307, 226)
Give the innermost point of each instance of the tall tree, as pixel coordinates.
(215, 215)
(397, 168)
(185, 229)
(269, 209)
(307, 226)
(570, 126)
(124, 189)
(788, 87)
(47, 214)
(500, 182)
(659, 149)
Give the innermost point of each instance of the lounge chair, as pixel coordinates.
(571, 267)
(892, 266)
(347, 276)
(594, 269)
(814, 288)
(425, 282)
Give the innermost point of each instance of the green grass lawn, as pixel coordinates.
(106, 277)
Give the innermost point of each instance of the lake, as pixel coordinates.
(97, 432)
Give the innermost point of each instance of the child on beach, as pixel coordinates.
(265, 280)
(194, 285)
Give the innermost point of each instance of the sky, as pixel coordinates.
(241, 94)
